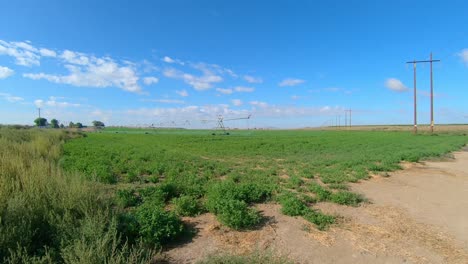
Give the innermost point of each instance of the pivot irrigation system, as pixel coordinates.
(220, 123)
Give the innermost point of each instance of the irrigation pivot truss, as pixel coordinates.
(220, 122)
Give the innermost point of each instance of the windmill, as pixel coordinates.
(220, 122)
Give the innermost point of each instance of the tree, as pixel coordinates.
(40, 122)
(54, 123)
(71, 125)
(78, 125)
(98, 124)
(62, 126)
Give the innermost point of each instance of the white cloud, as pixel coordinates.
(464, 55)
(243, 89)
(395, 85)
(53, 102)
(258, 103)
(332, 89)
(5, 72)
(199, 83)
(210, 69)
(150, 80)
(182, 93)
(224, 91)
(295, 97)
(291, 82)
(164, 101)
(24, 53)
(90, 71)
(11, 98)
(251, 79)
(47, 53)
(168, 59)
(236, 102)
(75, 57)
(84, 70)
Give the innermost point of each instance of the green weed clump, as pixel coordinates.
(347, 198)
(127, 198)
(291, 205)
(156, 226)
(322, 221)
(256, 257)
(321, 193)
(230, 202)
(187, 206)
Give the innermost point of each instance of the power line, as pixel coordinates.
(414, 62)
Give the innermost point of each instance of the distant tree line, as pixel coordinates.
(54, 123)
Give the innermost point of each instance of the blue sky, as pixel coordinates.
(288, 63)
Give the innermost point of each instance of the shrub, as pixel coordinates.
(127, 198)
(186, 206)
(159, 194)
(156, 225)
(347, 198)
(229, 202)
(236, 214)
(291, 205)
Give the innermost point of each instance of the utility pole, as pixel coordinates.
(346, 116)
(414, 62)
(432, 98)
(39, 110)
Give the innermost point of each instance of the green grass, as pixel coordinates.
(231, 173)
(115, 195)
(51, 216)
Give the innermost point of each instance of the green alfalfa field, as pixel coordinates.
(125, 191)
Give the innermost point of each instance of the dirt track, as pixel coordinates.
(417, 215)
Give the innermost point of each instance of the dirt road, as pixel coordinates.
(416, 215)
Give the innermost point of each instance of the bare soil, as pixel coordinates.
(416, 215)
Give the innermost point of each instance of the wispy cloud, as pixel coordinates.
(164, 101)
(47, 53)
(5, 72)
(224, 91)
(168, 59)
(464, 55)
(150, 80)
(251, 79)
(291, 82)
(182, 93)
(199, 83)
(54, 102)
(258, 103)
(395, 85)
(24, 53)
(333, 89)
(11, 98)
(236, 102)
(242, 89)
